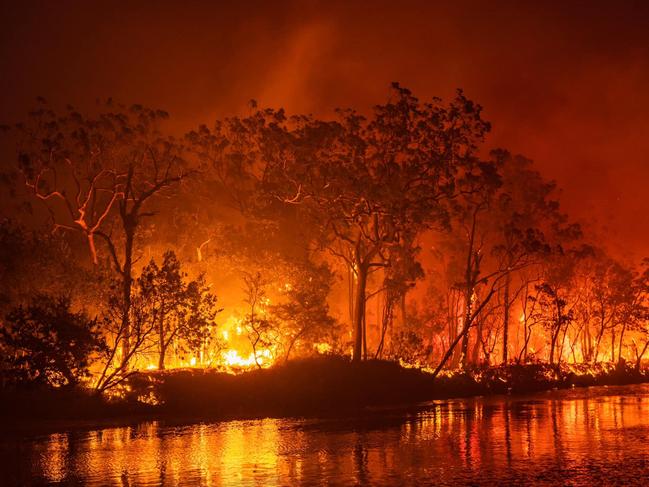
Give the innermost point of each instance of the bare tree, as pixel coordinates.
(99, 175)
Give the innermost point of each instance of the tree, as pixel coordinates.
(556, 297)
(399, 276)
(98, 174)
(554, 313)
(528, 299)
(261, 328)
(523, 215)
(74, 166)
(477, 185)
(409, 342)
(180, 311)
(140, 329)
(502, 217)
(607, 303)
(641, 312)
(368, 185)
(33, 262)
(304, 314)
(49, 343)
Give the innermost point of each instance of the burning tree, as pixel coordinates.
(477, 186)
(99, 176)
(304, 202)
(304, 311)
(641, 312)
(526, 216)
(180, 311)
(499, 222)
(557, 297)
(368, 185)
(261, 327)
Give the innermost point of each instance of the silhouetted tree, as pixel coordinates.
(261, 327)
(478, 186)
(556, 297)
(641, 312)
(304, 314)
(48, 343)
(97, 175)
(369, 184)
(181, 311)
(524, 215)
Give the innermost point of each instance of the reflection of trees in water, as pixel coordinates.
(468, 441)
(360, 455)
(508, 437)
(555, 412)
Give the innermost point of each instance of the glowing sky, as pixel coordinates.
(567, 85)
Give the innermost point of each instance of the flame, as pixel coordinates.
(232, 359)
(322, 348)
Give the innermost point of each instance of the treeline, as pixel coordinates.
(392, 235)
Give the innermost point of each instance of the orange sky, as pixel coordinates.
(565, 83)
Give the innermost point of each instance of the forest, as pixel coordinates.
(253, 241)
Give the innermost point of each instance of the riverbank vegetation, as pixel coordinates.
(165, 270)
(318, 386)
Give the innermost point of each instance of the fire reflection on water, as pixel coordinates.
(586, 433)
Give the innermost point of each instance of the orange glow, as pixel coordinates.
(233, 361)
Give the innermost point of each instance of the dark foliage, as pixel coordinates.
(49, 343)
(334, 385)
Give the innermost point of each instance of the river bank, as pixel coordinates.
(325, 386)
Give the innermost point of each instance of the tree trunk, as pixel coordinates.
(553, 343)
(450, 350)
(522, 356)
(364, 336)
(506, 319)
(161, 358)
(386, 320)
(555, 333)
(93, 248)
(479, 343)
(563, 343)
(469, 275)
(465, 329)
(638, 362)
(600, 334)
(465, 337)
(619, 352)
(162, 346)
(127, 284)
(359, 311)
(254, 352)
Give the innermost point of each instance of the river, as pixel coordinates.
(594, 436)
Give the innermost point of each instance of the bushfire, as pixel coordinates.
(255, 240)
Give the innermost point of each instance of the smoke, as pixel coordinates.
(564, 84)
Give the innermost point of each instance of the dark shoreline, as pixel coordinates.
(321, 387)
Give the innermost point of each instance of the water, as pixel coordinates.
(596, 436)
